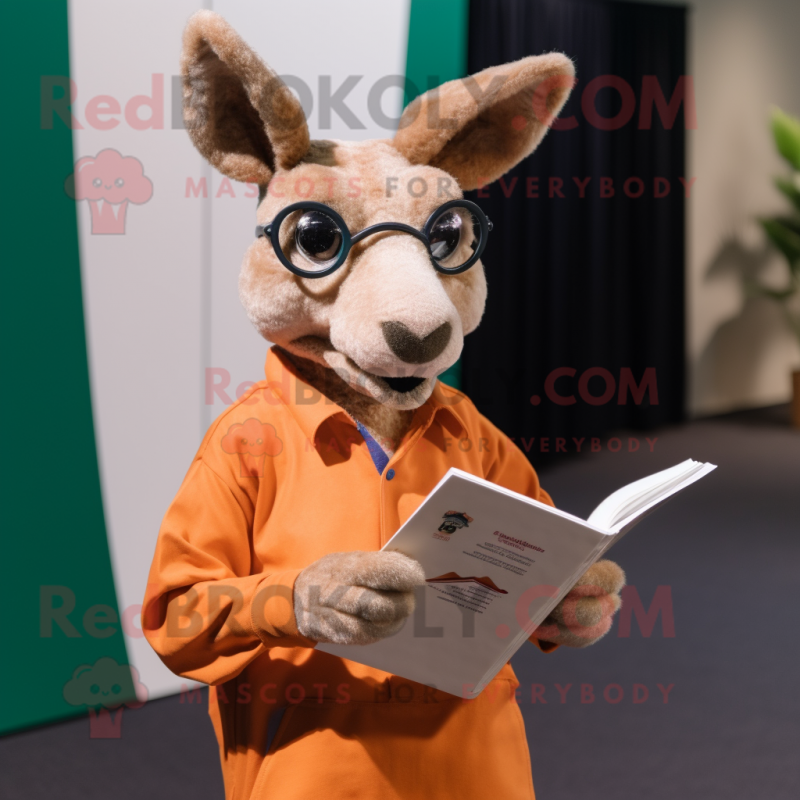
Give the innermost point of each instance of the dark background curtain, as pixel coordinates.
(592, 282)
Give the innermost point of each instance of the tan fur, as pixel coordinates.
(584, 616)
(356, 598)
(603, 577)
(479, 128)
(240, 115)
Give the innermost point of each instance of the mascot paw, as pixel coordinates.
(585, 614)
(356, 598)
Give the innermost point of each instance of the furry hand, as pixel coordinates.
(356, 598)
(585, 614)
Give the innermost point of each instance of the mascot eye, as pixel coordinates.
(119, 183)
(318, 237)
(97, 182)
(445, 235)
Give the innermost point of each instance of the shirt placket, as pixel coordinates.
(412, 437)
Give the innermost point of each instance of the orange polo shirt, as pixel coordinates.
(282, 478)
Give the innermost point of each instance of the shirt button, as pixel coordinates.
(390, 475)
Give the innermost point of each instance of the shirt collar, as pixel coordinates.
(445, 399)
(310, 409)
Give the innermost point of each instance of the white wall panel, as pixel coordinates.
(142, 293)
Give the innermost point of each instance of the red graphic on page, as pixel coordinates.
(109, 182)
(454, 577)
(252, 441)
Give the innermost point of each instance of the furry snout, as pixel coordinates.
(394, 316)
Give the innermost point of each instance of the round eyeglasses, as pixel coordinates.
(312, 240)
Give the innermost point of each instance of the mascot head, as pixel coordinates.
(366, 258)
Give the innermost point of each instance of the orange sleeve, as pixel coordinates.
(204, 613)
(512, 470)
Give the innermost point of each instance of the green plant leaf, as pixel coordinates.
(786, 131)
(793, 320)
(784, 233)
(757, 290)
(790, 189)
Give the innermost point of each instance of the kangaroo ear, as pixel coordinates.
(478, 128)
(238, 112)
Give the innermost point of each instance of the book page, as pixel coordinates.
(625, 506)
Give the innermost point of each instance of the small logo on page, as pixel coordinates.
(451, 522)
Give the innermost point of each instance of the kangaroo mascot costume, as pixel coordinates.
(365, 273)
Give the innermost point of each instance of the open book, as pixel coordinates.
(497, 563)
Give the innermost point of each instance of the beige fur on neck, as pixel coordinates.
(387, 425)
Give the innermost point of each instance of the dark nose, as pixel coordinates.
(413, 349)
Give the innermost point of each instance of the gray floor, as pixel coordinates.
(729, 549)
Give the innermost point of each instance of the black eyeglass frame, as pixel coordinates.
(272, 231)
